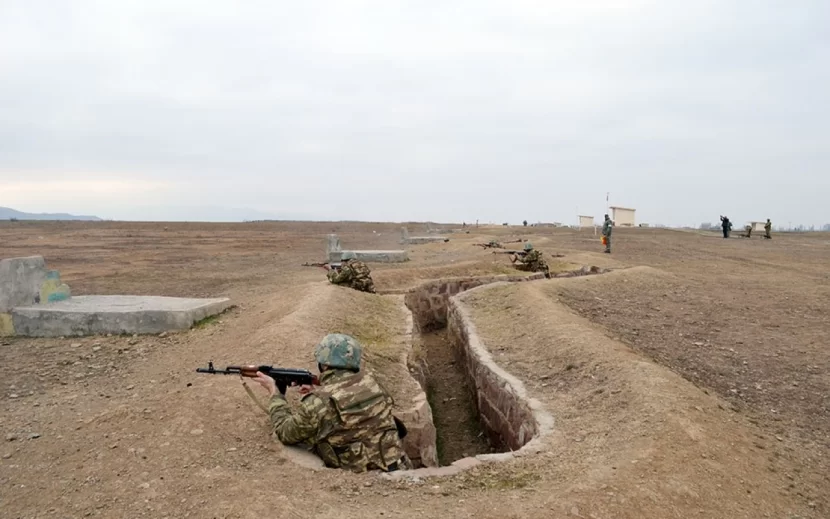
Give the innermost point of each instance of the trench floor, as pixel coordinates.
(459, 431)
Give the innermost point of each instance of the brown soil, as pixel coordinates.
(453, 409)
(137, 433)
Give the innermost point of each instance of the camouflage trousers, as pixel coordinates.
(364, 285)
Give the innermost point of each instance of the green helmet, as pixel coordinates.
(339, 351)
(348, 255)
(528, 246)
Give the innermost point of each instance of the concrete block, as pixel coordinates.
(381, 256)
(6, 325)
(333, 248)
(419, 240)
(89, 315)
(20, 281)
(406, 239)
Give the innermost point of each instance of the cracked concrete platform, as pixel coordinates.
(378, 256)
(90, 315)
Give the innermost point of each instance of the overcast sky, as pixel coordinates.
(416, 110)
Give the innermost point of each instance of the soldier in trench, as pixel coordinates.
(531, 261)
(352, 273)
(347, 420)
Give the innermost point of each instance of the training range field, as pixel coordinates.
(720, 344)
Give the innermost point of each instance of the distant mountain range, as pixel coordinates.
(7, 213)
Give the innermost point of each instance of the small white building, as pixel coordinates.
(757, 226)
(586, 221)
(623, 216)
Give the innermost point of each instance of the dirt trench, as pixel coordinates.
(444, 370)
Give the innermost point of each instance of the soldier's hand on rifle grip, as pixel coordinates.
(282, 387)
(268, 383)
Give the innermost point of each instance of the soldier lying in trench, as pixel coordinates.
(531, 261)
(352, 273)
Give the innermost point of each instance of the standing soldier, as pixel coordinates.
(768, 230)
(347, 420)
(726, 225)
(353, 273)
(531, 261)
(607, 229)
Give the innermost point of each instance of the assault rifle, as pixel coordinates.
(517, 252)
(325, 264)
(282, 376)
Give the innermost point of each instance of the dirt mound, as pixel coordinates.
(656, 444)
(176, 435)
(766, 363)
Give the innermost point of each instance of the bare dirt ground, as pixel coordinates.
(126, 429)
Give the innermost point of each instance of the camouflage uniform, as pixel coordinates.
(607, 229)
(533, 262)
(354, 274)
(347, 421)
(768, 230)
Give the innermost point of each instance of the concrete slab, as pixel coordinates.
(406, 239)
(381, 256)
(415, 240)
(89, 315)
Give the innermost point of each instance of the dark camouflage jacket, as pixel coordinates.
(607, 228)
(347, 421)
(533, 262)
(354, 274)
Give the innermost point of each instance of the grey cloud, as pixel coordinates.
(422, 110)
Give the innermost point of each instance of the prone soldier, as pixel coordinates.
(531, 260)
(352, 273)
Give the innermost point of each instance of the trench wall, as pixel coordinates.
(430, 301)
(509, 417)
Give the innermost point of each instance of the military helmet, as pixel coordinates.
(348, 255)
(528, 246)
(339, 351)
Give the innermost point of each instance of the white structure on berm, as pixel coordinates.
(622, 216)
(586, 221)
(757, 226)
